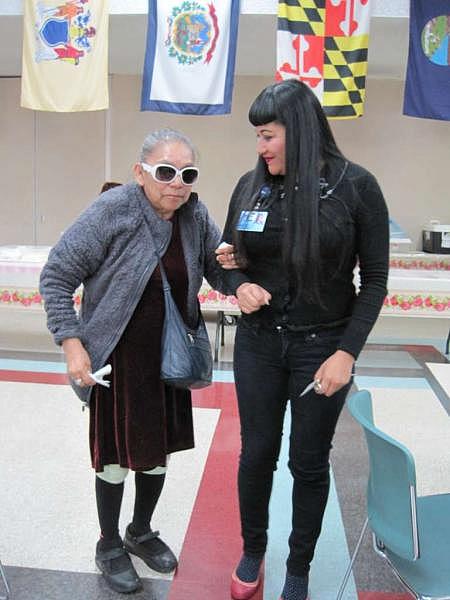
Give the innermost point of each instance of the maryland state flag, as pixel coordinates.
(65, 55)
(324, 43)
(427, 89)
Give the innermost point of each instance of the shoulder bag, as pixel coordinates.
(186, 357)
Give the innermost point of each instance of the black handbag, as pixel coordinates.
(186, 357)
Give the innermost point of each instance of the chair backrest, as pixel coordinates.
(391, 489)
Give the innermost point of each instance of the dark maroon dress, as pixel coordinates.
(138, 420)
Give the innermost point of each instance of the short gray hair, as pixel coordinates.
(165, 135)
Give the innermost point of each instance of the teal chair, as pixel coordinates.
(411, 533)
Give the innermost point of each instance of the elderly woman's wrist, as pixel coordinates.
(70, 343)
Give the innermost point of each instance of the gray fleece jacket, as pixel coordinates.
(112, 250)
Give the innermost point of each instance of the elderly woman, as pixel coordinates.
(112, 249)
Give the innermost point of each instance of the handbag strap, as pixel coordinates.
(165, 281)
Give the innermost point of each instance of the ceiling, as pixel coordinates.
(256, 51)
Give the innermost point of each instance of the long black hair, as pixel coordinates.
(309, 146)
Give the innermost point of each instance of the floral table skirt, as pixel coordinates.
(419, 284)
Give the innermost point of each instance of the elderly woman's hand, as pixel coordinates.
(78, 362)
(225, 256)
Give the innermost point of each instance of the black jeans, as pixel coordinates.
(271, 367)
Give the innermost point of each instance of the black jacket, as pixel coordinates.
(354, 228)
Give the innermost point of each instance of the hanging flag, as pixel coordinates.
(427, 89)
(190, 56)
(324, 43)
(65, 55)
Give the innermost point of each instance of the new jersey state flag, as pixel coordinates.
(65, 55)
(190, 56)
(324, 43)
(427, 89)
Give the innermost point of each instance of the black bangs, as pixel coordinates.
(272, 104)
(263, 109)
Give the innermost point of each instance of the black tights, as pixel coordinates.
(109, 500)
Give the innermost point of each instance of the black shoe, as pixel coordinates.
(152, 550)
(117, 569)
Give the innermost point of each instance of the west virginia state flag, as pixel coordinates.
(324, 43)
(190, 56)
(427, 89)
(65, 55)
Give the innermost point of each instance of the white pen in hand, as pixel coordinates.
(98, 375)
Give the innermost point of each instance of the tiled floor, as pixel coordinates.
(47, 513)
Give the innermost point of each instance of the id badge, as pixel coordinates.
(252, 220)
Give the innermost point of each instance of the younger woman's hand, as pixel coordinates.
(225, 256)
(334, 373)
(251, 297)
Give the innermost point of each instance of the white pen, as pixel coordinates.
(308, 388)
(98, 375)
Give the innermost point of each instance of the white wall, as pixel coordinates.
(52, 165)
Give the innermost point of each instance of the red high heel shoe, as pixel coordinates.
(243, 590)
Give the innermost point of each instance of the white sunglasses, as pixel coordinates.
(167, 173)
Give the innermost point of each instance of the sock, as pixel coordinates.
(295, 587)
(248, 568)
(148, 491)
(109, 500)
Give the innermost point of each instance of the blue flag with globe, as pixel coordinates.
(427, 88)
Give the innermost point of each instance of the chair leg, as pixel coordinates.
(354, 555)
(5, 582)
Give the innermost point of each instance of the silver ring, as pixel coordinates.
(78, 381)
(318, 387)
